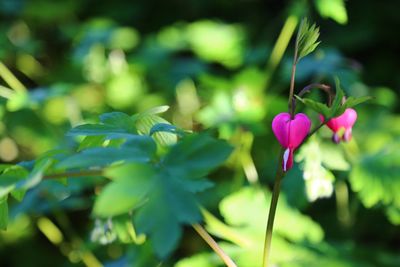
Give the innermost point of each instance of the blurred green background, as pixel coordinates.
(219, 64)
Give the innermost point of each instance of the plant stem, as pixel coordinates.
(280, 47)
(74, 174)
(272, 210)
(323, 87)
(291, 92)
(213, 244)
(10, 79)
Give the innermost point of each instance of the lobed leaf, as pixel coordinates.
(307, 39)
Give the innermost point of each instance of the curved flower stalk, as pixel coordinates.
(290, 133)
(342, 125)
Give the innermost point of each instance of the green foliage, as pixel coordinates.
(307, 39)
(3, 213)
(334, 9)
(376, 178)
(318, 179)
(131, 184)
(338, 106)
(128, 187)
(316, 106)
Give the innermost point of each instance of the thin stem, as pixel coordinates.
(291, 93)
(323, 87)
(213, 244)
(272, 210)
(74, 174)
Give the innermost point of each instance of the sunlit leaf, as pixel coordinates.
(376, 178)
(318, 179)
(307, 39)
(197, 154)
(334, 9)
(316, 106)
(137, 149)
(144, 124)
(131, 185)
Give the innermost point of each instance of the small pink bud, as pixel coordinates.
(343, 123)
(290, 134)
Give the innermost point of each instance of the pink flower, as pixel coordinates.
(343, 122)
(290, 134)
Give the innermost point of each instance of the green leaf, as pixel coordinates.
(166, 127)
(131, 184)
(136, 149)
(36, 175)
(393, 214)
(145, 123)
(316, 106)
(253, 204)
(335, 109)
(3, 213)
(119, 120)
(306, 40)
(10, 178)
(154, 111)
(354, 101)
(114, 123)
(91, 141)
(197, 154)
(123, 226)
(376, 177)
(334, 9)
(97, 129)
(168, 206)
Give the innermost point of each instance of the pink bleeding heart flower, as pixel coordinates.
(290, 134)
(343, 122)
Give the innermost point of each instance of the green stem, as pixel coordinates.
(292, 78)
(74, 174)
(280, 47)
(214, 245)
(10, 79)
(272, 210)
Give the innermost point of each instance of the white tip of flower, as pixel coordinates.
(285, 159)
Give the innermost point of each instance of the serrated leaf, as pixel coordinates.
(131, 184)
(163, 224)
(145, 123)
(197, 154)
(376, 178)
(316, 106)
(3, 213)
(307, 38)
(334, 9)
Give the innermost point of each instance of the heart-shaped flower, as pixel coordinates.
(290, 134)
(342, 125)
